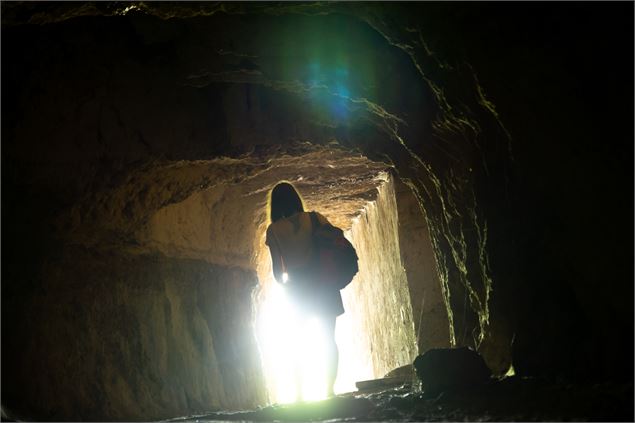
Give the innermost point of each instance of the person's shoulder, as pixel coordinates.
(322, 220)
(320, 217)
(271, 230)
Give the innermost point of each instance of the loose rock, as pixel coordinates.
(451, 369)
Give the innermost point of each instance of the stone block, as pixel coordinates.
(445, 369)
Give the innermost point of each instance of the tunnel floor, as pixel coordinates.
(510, 399)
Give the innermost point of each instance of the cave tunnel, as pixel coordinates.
(463, 149)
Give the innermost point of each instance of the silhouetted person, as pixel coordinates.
(289, 241)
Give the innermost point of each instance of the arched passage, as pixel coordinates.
(224, 225)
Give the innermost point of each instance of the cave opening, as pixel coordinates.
(225, 225)
(370, 294)
(378, 332)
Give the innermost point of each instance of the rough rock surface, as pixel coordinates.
(511, 399)
(378, 323)
(429, 313)
(118, 337)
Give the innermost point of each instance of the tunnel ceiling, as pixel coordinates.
(336, 182)
(311, 116)
(39, 13)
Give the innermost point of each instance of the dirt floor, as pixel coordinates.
(511, 399)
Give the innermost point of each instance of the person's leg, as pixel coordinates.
(298, 354)
(332, 354)
(298, 378)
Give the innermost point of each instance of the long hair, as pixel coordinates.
(285, 201)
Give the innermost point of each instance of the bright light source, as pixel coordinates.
(285, 277)
(511, 371)
(312, 355)
(291, 347)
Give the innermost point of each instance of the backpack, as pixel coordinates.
(334, 259)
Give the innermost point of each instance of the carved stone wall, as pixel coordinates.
(117, 337)
(429, 311)
(377, 302)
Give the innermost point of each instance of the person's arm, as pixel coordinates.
(321, 219)
(323, 222)
(276, 262)
(276, 265)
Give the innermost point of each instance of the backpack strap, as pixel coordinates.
(315, 223)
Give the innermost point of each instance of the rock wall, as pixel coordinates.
(120, 337)
(429, 308)
(206, 226)
(377, 330)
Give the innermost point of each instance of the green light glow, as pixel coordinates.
(336, 63)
